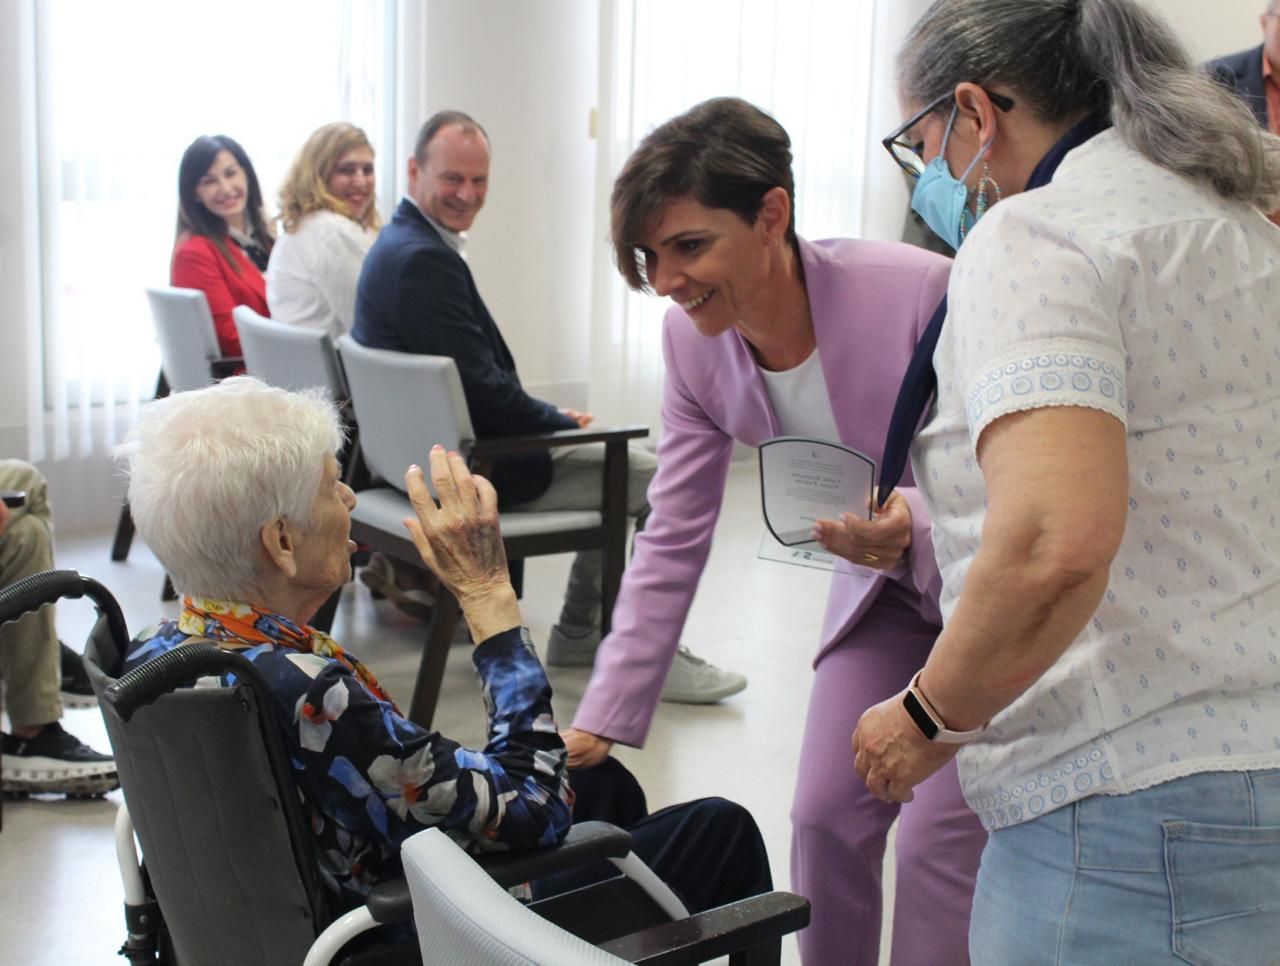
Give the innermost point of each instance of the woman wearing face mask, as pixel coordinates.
(328, 210)
(223, 239)
(1100, 466)
(771, 334)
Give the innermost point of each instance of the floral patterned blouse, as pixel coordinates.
(368, 777)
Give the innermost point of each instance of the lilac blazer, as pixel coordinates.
(870, 301)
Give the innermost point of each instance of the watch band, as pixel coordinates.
(929, 721)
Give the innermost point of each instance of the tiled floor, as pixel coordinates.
(60, 899)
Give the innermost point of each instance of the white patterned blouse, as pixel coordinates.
(1123, 288)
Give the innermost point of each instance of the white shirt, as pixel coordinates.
(457, 240)
(313, 271)
(800, 400)
(1123, 288)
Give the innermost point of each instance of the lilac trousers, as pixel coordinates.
(839, 829)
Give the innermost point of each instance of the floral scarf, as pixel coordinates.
(234, 625)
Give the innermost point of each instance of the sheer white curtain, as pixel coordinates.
(122, 89)
(821, 67)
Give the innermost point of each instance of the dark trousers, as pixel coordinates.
(708, 851)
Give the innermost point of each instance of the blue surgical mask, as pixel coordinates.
(940, 197)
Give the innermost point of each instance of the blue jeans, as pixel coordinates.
(1185, 872)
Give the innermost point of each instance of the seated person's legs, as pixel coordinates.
(38, 756)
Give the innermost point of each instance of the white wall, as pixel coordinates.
(1212, 28)
(527, 73)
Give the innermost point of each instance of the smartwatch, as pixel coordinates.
(929, 721)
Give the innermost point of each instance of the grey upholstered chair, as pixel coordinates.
(189, 359)
(289, 356)
(407, 403)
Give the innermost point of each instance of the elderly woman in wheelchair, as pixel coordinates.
(236, 489)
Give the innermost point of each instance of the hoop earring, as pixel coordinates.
(984, 182)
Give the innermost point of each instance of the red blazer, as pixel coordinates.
(197, 263)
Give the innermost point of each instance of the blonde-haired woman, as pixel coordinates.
(329, 220)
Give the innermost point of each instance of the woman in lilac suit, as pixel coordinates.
(774, 335)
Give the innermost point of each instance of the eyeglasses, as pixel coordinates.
(909, 155)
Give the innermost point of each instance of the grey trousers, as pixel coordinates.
(577, 478)
(29, 660)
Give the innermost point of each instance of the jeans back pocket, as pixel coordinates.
(1224, 881)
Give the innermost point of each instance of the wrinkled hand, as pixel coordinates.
(461, 542)
(879, 543)
(582, 419)
(585, 749)
(4, 518)
(890, 753)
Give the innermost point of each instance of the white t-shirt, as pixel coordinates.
(800, 400)
(1124, 288)
(313, 271)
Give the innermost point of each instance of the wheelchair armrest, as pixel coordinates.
(738, 926)
(502, 445)
(225, 366)
(390, 901)
(586, 842)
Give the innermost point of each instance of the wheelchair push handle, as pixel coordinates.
(32, 593)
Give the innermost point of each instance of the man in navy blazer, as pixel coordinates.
(1248, 72)
(416, 294)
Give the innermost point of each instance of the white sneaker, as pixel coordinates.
(692, 680)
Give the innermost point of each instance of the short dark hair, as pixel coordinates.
(439, 120)
(195, 218)
(724, 153)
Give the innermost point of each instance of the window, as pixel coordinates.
(122, 90)
(807, 62)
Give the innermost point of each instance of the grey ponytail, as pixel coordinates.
(1068, 58)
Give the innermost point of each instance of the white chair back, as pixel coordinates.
(289, 356)
(464, 918)
(405, 404)
(188, 340)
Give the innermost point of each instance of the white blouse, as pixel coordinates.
(313, 271)
(800, 400)
(1124, 288)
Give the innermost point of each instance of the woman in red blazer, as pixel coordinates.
(223, 240)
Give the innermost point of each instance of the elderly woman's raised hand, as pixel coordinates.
(461, 542)
(879, 543)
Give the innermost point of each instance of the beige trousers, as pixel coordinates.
(29, 661)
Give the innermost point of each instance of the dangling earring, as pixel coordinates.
(983, 182)
(980, 203)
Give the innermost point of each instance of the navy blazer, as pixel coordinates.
(416, 294)
(1242, 72)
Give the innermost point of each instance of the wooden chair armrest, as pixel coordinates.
(718, 932)
(503, 445)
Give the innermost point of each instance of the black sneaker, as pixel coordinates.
(55, 762)
(75, 689)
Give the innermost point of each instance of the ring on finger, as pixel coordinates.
(870, 558)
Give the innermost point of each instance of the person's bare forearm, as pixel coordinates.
(1014, 620)
(1057, 485)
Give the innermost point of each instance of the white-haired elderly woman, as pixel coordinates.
(1101, 469)
(236, 489)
